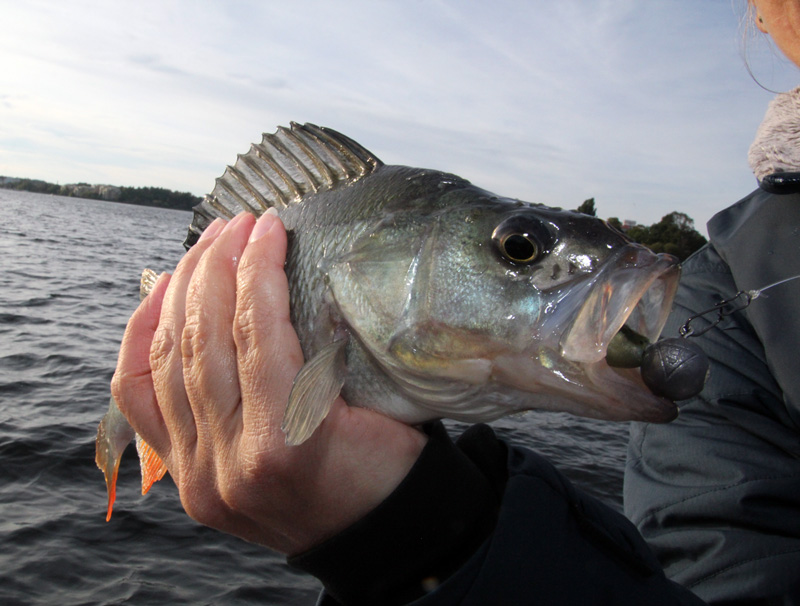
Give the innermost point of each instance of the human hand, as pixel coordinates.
(204, 374)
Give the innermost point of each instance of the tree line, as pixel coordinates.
(158, 196)
(144, 196)
(674, 233)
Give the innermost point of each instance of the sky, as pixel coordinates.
(645, 105)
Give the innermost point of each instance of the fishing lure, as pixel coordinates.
(677, 368)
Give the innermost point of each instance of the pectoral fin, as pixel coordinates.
(113, 435)
(153, 468)
(315, 388)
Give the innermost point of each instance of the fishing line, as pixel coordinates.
(677, 368)
(725, 308)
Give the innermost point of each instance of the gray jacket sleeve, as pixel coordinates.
(716, 493)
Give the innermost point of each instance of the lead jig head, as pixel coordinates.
(675, 368)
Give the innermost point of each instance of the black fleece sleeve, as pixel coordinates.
(424, 531)
(447, 536)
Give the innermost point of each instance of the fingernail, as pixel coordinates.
(263, 225)
(212, 230)
(236, 220)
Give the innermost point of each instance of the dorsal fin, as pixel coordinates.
(281, 170)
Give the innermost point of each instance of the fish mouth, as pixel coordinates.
(634, 290)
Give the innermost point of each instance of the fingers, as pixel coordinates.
(208, 348)
(268, 351)
(213, 351)
(166, 361)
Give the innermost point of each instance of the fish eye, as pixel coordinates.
(519, 248)
(520, 240)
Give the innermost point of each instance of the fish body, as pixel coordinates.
(422, 296)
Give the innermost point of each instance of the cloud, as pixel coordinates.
(646, 107)
(157, 64)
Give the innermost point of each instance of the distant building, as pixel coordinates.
(84, 190)
(79, 190)
(109, 192)
(627, 224)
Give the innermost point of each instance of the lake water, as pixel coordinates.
(69, 271)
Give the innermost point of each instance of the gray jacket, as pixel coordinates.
(716, 493)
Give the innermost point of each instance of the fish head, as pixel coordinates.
(590, 281)
(510, 302)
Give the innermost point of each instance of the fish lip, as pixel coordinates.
(634, 288)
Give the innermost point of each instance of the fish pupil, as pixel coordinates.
(519, 248)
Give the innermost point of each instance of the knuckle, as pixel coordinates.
(244, 475)
(246, 325)
(117, 386)
(199, 498)
(232, 496)
(191, 340)
(161, 349)
(121, 390)
(200, 508)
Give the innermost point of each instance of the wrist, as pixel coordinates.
(434, 520)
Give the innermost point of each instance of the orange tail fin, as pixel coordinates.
(113, 435)
(111, 487)
(153, 468)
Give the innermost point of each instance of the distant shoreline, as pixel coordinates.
(674, 234)
(157, 197)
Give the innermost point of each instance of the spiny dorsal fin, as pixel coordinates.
(282, 169)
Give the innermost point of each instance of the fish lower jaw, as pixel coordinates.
(594, 389)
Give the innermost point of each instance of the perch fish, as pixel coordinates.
(417, 294)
